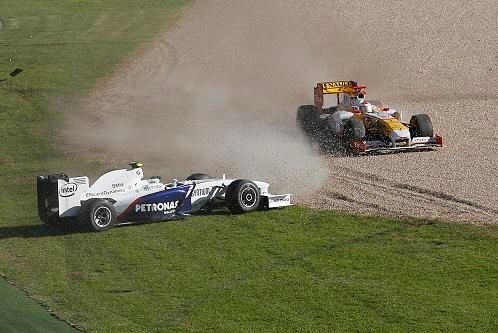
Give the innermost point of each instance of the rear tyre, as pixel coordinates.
(421, 125)
(99, 214)
(242, 196)
(52, 220)
(354, 129)
(198, 176)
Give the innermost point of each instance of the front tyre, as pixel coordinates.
(242, 196)
(421, 125)
(354, 129)
(100, 215)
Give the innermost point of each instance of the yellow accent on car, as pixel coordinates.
(135, 165)
(336, 87)
(394, 124)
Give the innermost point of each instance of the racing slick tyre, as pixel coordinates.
(421, 125)
(307, 119)
(99, 214)
(242, 196)
(198, 176)
(354, 129)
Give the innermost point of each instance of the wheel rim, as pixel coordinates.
(102, 217)
(248, 197)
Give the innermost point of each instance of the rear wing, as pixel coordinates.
(59, 196)
(334, 87)
(337, 87)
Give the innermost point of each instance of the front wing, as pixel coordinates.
(279, 200)
(417, 143)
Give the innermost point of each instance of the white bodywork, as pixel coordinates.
(337, 120)
(124, 186)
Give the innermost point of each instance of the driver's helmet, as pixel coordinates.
(366, 107)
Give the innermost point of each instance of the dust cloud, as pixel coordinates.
(224, 108)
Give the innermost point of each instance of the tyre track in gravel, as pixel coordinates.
(396, 198)
(410, 191)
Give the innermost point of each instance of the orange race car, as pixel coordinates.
(362, 125)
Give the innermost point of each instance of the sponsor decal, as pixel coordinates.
(121, 190)
(68, 190)
(117, 185)
(284, 199)
(201, 192)
(420, 139)
(153, 187)
(336, 84)
(165, 207)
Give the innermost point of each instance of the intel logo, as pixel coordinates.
(68, 189)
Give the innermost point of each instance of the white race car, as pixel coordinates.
(123, 196)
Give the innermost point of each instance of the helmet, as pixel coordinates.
(366, 107)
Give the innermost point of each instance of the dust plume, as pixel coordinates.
(227, 107)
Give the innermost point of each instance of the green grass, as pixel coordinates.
(20, 314)
(288, 270)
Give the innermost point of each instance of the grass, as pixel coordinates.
(15, 309)
(279, 271)
(288, 270)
